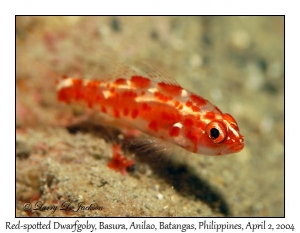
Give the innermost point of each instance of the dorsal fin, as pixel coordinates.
(145, 68)
(158, 73)
(107, 69)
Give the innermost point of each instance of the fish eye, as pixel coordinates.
(217, 131)
(214, 133)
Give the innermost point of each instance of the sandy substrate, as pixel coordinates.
(61, 157)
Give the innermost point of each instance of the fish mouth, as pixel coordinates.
(237, 147)
(234, 148)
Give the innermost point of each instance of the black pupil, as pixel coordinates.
(214, 133)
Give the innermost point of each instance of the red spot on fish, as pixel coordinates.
(176, 103)
(74, 92)
(93, 83)
(210, 115)
(194, 138)
(153, 125)
(121, 81)
(139, 81)
(92, 93)
(103, 109)
(78, 89)
(89, 104)
(134, 113)
(188, 122)
(170, 89)
(161, 96)
(64, 95)
(189, 103)
(201, 125)
(146, 107)
(195, 108)
(125, 111)
(116, 113)
(199, 101)
(118, 162)
(174, 131)
(129, 94)
(170, 116)
(195, 102)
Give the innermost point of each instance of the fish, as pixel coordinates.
(154, 103)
